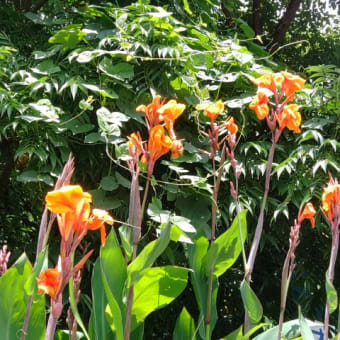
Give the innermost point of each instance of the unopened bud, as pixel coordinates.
(238, 172)
(271, 122)
(233, 192)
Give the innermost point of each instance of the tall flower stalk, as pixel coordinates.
(72, 208)
(331, 210)
(46, 223)
(289, 263)
(212, 111)
(160, 119)
(283, 86)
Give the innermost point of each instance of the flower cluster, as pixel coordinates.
(283, 85)
(74, 217)
(331, 201)
(212, 111)
(160, 119)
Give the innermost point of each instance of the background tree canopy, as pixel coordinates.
(72, 74)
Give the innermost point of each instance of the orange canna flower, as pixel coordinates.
(66, 199)
(331, 200)
(231, 126)
(290, 117)
(177, 149)
(308, 213)
(260, 105)
(291, 83)
(270, 81)
(49, 281)
(159, 143)
(151, 111)
(97, 221)
(170, 111)
(213, 110)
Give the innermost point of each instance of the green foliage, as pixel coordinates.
(185, 327)
(71, 77)
(158, 287)
(251, 303)
(223, 253)
(14, 300)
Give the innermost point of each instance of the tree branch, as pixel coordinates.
(284, 23)
(256, 17)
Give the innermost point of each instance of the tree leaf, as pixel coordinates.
(120, 71)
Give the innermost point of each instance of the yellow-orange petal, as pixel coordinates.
(230, 125)
(291, 83)
(177, 149)
(331, 201)
(66, 199)
(308, 213)
(212, 110)
(98, 218)
(270, 81)
(159, 143)
(171, 110)
(260, 105)
(290, 117)
(49, 281)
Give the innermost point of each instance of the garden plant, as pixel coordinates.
(167, 177)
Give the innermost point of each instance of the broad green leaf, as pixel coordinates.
(332, 296)
(100, 327)
(306, 332)
(251, 302)
(290, 329)
(13, 304)
(31, 283)
(148, 255)
(185, 327)
(223, 253)
(157, 287)
(196, 253)
(113, 272)
(237, 334)
(63, 334)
